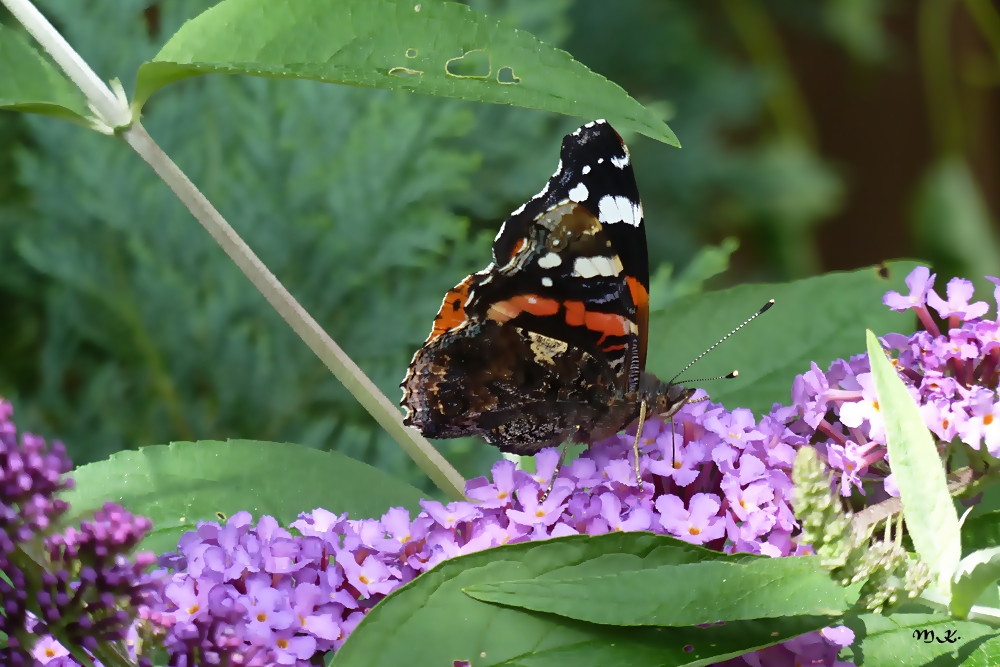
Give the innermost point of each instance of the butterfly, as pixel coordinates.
(547, 345)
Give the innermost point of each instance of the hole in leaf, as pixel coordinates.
(221, 516)
(411, 53)
(473, 64)
(506, 76)
(883, 271)
(688, 648)
(416, 8)
(405, 73)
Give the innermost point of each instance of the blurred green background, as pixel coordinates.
(818, 135)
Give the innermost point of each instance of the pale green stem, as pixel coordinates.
(114, 113)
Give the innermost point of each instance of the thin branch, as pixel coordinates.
(114, 111)
(959, 482)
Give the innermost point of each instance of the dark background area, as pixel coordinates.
(821, 134)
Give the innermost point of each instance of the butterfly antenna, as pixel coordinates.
(750, 319)
(727, 376)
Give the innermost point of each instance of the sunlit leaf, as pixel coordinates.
(927, 506)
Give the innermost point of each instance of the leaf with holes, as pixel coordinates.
(30, 83)
(180, 484)
(437, 48)
(815, 319)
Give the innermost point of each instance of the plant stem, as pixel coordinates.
(115, 114)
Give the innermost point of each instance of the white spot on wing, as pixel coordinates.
(600, 160)
(613, 209)
(583, 268)
(555, 173)
(549, 261)
(547, 281)
(620, 162)
(588, 267)
(579, 193)
(586, 169)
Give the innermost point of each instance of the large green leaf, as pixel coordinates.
(927, 505)
(430, 621)
(30, 83)
(914, 640)
(433, 47)
(180, 484)
(816, 319)
(712, 591)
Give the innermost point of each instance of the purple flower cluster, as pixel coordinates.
(261, 595)
(952, 376)
(30, 476)
(91, 592)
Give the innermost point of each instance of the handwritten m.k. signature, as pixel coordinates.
(929, 636)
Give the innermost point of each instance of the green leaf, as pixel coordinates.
(981, 532)
(927, 506)
(816, 319)
(976, 572)
(712, 592)
(430, 621)
(30, 83)
(985, 653)
(180, 484)
(709, 262)
(432, 47)
(901, 640)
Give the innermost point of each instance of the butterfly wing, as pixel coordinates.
(542, 345)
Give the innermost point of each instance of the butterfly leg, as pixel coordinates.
(635, 445)
(673, 444)
(559, 465)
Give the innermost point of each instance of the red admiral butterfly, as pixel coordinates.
(548, 343)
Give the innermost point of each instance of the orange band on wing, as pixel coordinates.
(640, 297)
(532, 304)
(607, 324)
(517, 248)
(576, 313)
(452, 311)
